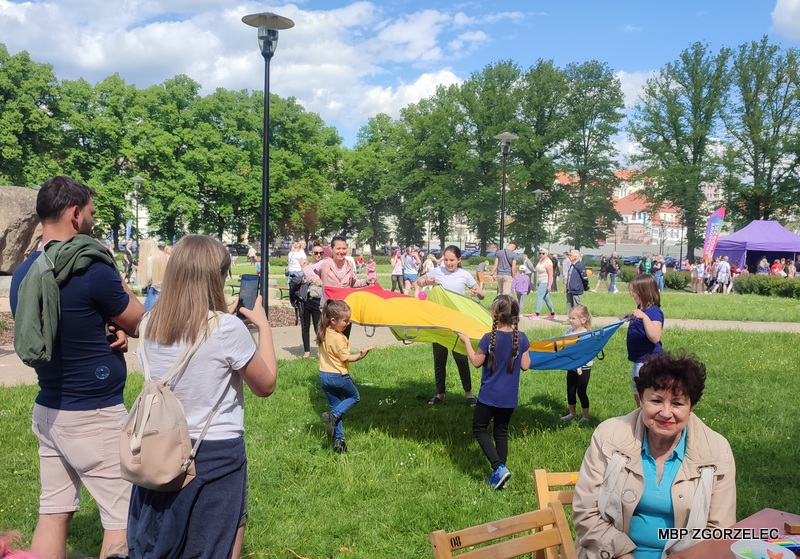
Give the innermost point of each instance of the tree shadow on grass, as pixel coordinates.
(402, 412)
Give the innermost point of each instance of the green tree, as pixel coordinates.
(30, 125)
(762, 120)
(543, 120)
(97, 124)
(160, 142)
(490, 101)
(370, 175)
(432, 150)
(594, 106)
(675, 123)
(305, 161)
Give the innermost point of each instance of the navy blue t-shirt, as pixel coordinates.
(639, 345)
(501, 388)
(84, 373)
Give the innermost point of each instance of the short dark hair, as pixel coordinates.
(679, 372)
(60, 193)
(338, 238)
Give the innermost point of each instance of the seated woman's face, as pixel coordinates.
(664, 413)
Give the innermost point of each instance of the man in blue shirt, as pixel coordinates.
(79, 411)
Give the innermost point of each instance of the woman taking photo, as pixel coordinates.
(205, 518)
(658, 467)
(451, 276)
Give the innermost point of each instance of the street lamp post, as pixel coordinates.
(505, 145)
(137, 182)
(268, 25)
(538, 193)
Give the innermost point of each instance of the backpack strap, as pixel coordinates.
(179, 367)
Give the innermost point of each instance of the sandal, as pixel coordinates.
(435, 400)
(472, 402)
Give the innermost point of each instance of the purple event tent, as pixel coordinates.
(759, 238)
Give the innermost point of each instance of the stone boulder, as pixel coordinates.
(20, 230)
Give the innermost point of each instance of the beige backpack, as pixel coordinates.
(155, 449)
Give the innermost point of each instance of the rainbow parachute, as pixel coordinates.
(443, 314)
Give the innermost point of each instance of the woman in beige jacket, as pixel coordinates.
(618, 509)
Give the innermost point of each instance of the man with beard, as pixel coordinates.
(71, 312)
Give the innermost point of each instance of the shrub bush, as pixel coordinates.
(774, 286)
(626, 274)
(677, 280)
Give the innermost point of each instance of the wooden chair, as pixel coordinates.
(544, 481)
(544, 494)
(553, 533)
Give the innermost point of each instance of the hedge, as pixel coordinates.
(768, 285)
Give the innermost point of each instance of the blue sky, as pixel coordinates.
(348, 60)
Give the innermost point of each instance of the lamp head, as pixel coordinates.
(268, 25)
(137, 181)
(505, 141)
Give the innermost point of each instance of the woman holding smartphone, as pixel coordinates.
(206, 518)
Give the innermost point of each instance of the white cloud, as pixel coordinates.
(631, 29)
(632, 84)
(786, 18)
(390, 100)
(467, 42)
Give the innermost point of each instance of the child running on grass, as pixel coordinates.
(580, 320)
(646, 325)
(503, 352)
(334, 369)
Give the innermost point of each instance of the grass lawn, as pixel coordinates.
(413, 468)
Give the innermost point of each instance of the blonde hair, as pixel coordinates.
(332, 309)
(583, 315)
(152, 263)
(194, 283)
(296, 246)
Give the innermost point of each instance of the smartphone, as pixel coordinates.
(248, 291)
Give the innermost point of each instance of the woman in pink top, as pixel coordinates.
(335, 271)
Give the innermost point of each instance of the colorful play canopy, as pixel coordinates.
(443, 314)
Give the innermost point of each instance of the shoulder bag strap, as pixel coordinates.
(609, 500)
(698, 514)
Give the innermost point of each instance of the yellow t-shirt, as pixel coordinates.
(334, 353)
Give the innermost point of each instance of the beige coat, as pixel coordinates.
(597, 537)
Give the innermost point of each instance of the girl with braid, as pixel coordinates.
(502, 353)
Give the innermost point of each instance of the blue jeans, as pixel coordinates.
(543, 295)
(659, 277)
(342, 395)
(612, 284)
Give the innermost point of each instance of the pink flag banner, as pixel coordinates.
(712, 233)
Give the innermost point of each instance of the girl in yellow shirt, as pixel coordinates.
(334, 368)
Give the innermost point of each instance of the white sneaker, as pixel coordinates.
(583, 420)
(567, 418)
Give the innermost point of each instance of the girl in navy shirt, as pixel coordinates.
(646, 325)
(503, 352)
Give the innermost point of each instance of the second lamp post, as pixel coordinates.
(505, 146)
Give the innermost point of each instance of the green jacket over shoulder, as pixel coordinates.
(39, 306)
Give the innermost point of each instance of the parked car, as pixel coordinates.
(241, 250)
(670, 261)
(283, 249)
(631, 260)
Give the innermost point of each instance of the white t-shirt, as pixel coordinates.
(541, 270)
(457, 281)
(294, 260)
(209, 373)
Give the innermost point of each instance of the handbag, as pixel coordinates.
(156, 451)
